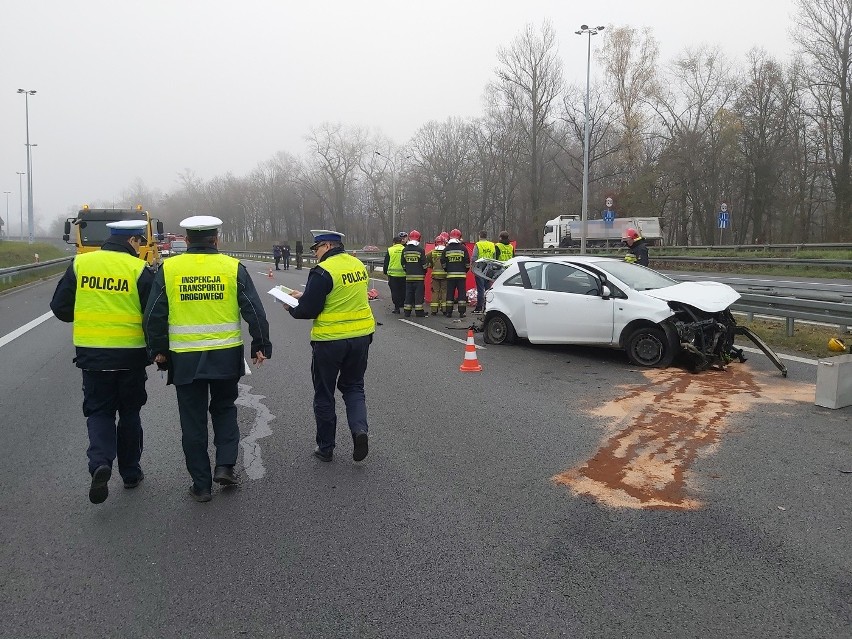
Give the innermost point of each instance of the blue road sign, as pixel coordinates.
(724, 219)
(609, 215)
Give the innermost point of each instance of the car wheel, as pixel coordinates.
(499, 330)
(649, 346)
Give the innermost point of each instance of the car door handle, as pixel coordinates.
(540, 302)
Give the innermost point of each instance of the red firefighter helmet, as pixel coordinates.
(414, 235)
(439, 239)
(631, 233)
(455, 234)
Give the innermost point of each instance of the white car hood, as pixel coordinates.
(711, 297)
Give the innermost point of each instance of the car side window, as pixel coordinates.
(515, 280)
(563, 278)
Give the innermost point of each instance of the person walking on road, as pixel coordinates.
(439, 276)
(285, 254)
(192, 328)
(103, 294)
(456, 261)
(276, 255)
(414, 265)
(394, 271)
(484, 249)
(335, 298)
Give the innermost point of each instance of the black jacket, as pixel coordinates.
(414, 262)
(317, 288)
(223, 363)
(640, 251)
(102, 359)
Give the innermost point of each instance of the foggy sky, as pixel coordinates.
(146, 89)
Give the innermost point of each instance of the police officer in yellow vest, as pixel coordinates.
(484, 249)
(505, 250)
(192, 327)
(335, 298)
(394, 271)
(103, 293)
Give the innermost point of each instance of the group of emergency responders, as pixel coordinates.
(407, 264)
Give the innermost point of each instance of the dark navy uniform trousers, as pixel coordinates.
(339, 363)
(193, 406)
(106, 393)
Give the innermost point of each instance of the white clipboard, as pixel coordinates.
(283, 297)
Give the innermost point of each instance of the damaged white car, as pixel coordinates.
(600, 301)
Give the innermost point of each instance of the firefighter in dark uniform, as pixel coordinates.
(456, 261)
(439, 277)
(335, 298)
(637, 247)
(103, 294)
(192, 327)
(414, 265)
(396, 274)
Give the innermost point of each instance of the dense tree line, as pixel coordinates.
(671, 139)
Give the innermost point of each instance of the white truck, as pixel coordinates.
(565, 231)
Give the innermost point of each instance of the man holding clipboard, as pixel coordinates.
(335, 298)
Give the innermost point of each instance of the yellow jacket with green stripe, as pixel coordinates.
(203, 310)
(103, 293)
(335, 298)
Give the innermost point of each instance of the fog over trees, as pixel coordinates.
(669, 138)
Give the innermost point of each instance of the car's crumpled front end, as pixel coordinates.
(707, 338)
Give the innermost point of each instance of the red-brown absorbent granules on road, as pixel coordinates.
(660, 429)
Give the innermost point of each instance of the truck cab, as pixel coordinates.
(558, 231)
(90, 230)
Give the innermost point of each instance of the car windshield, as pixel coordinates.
(178, 245)
(639, 278)
(94, 232)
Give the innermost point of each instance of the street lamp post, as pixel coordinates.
(393, 191)
(7, 210)
(586, 29)
(30, 223)
(21, 200)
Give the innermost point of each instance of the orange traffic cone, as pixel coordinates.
(269, 274)
(470, 364)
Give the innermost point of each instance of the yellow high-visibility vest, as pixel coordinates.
(485, 249)
(107, 310)
(204, 313)
(395, 262)
(505, 252)
(347, 312)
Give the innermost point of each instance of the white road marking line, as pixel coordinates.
(252, 458)
(26, 327)
(790, 358)
(432, 330)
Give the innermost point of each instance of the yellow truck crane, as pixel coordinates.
(90, 230)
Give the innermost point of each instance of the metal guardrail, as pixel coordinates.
(792, 309)
(686, 259)
(7, 275)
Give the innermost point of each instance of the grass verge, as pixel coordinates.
(808, 340)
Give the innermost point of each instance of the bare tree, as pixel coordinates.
(824, 32)
(339, 151)
(443, 174)
(629, 60)
(529, 81)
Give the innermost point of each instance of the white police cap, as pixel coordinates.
(324, 235)
(127, 227)
(201, 223)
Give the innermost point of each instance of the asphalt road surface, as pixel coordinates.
(560, 492)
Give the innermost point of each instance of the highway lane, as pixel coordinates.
(491, 504)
